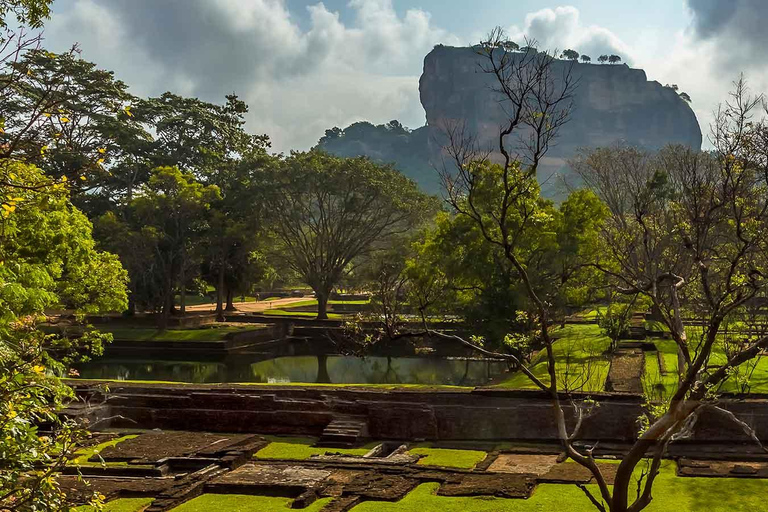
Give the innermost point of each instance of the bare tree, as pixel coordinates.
(688, 230)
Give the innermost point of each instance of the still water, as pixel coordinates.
(314, 369)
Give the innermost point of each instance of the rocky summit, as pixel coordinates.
(612, 103)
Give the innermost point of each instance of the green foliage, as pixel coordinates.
(329, 211)
(47, 257)
(27, 12)
(570, 55)
(615, 322)
(580, 363)
(461, 269)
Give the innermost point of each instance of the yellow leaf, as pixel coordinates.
(1, 130)
(102, 150)
(12, 176)
(100, 161)
(57, 135)
(64, 119)
(82, 178)
(46, 114)
(38, 369)
(63, 178)
(8, 208)
(127, 110)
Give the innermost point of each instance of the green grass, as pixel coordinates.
(656, 385)
(144, 334)
(300, 448)
(670, 493)
(282, 312)
(462, 459)
(579, 356)
(244, 503)
(201, 300)
(593, 313)
(313, 302)
(82, 455)
(120, 505)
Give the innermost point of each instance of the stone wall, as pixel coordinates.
(480, 414)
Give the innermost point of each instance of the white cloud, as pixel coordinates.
(561, 28)
(297, 82)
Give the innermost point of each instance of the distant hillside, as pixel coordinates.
(612, 103)
(392, 143)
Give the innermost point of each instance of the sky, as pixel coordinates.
(305, 66)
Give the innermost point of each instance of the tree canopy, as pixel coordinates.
(328, 211)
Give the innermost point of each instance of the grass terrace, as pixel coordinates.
(207, 333)
(580, 352)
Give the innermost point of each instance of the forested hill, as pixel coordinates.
(408, 150)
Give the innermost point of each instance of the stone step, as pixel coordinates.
(344, 431)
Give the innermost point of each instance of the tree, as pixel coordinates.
(614, 59)
(68, 117)
(570, 55)
(49, 260)
(685, 96)
(684, 230)
(586, 59)
(328, 211)
(31, 13)
(687, 231)
(602, 59)
(171, 212)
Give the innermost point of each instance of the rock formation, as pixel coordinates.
(613, 103)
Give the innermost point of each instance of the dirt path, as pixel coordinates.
(254, 307)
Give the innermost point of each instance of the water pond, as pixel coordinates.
(309, 369)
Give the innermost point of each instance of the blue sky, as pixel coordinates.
(305, 66)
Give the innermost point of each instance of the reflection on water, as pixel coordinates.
(322, 369)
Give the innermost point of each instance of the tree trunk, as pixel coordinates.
(220, 296)
(183, 291)
(165, 312)
(322, 370)
(230, 306)
(131, 311)
(322, 305)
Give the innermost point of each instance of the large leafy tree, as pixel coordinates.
(47, 260)
(71, 119)
(171, 214)
(329, 211)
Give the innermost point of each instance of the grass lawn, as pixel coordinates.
(579, 353)
(670, 493)
(313, 302)
(83, 454)
(593, 313)
(655, 384)
(121, 505)
(199, 300)
(462, 459)
(301, 448)
(244, 503)
(284, 312)
(146, 334)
